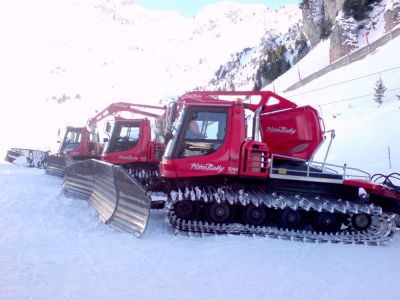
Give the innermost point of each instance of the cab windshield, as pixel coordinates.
(125, 136)
(72, 139)
(199, 131)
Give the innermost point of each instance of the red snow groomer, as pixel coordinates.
(137, 144)
(78, 143)
(130, 140)
(219, 179)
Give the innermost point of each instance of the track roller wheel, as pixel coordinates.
(218, 212)
(254, 215)
(326, 222)
(361, 221)
(186, 209)
(291, 219)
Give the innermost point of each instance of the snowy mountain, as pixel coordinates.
(62, 60)
(251, 68)
(254, 68)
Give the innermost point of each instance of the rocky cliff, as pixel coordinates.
(325, 19)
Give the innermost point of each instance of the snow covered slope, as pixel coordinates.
(53, 247)
(61, 59)
(365, 132)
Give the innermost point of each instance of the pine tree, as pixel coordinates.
(304, 4)
(358, 9)
(326, 29)
(379, 91)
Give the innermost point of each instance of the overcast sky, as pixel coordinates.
(191, 7)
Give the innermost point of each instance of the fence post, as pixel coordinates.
(390, 161)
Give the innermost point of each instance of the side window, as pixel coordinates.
(73, 137)
(205, 133)
(129, 133)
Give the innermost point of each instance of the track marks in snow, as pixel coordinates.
(56, 247)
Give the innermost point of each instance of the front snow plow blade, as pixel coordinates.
(119, 200)
(26, 157)
(55, 165)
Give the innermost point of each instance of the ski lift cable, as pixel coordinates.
(346, 81)
(353, 98)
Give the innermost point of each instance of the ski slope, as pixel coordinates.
(366, 133)
(53, 247)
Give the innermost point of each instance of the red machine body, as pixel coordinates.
(135, 143)
(295, 132)
(77, 142)
(224, 148)
(131, 142)
(219, 178)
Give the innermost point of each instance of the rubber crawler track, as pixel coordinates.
(380, 231)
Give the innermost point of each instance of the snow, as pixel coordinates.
(365, 133)
(316, 60)
(375, 25)
(97, 52)
(392, 4)
(55, 247)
